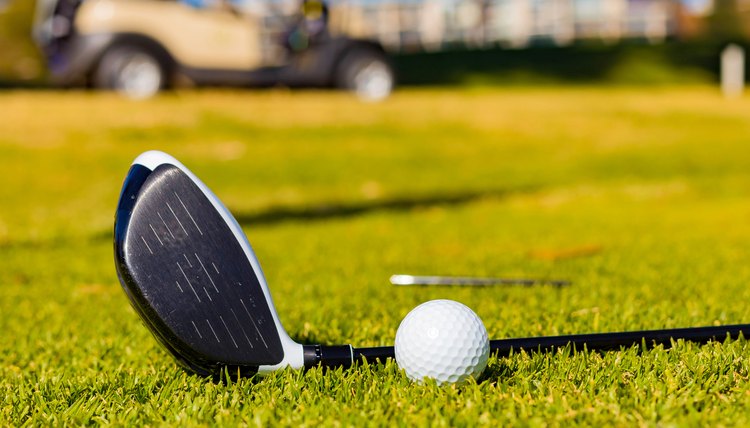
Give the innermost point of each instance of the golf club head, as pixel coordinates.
(192, 276)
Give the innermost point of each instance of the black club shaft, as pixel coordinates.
(592, 342)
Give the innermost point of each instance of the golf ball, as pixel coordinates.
(442, 340)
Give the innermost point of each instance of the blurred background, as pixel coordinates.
(418, 42)
(576, 139)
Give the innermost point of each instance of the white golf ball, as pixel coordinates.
(442, 340)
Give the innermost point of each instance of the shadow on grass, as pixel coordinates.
(496, 371)
(340, 210)
(308, 213)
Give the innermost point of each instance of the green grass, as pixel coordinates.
(641, 197)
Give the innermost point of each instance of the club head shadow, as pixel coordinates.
(192, 276)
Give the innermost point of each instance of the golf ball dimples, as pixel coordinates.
(443, 340)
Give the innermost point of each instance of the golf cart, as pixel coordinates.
(138, 47)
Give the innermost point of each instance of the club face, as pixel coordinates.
(190, 273)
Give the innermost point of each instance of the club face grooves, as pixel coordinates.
(187, 276)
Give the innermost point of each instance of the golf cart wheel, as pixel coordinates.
(367, 73)
(132, 71)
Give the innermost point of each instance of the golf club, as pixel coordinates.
(191, 275)
(472, 281)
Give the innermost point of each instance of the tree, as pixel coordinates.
(725, 24)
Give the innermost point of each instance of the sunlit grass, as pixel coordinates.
(638, 196)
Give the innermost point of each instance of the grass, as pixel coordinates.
(639, 196)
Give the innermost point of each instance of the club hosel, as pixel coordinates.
(328, 356)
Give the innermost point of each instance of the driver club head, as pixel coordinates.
(192, 276)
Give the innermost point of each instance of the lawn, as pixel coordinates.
(640, 196)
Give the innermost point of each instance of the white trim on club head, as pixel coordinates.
(293, 352)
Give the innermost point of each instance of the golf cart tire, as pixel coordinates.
(365, 72)
(134, 71)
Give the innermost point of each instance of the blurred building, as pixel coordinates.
(435, 24)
